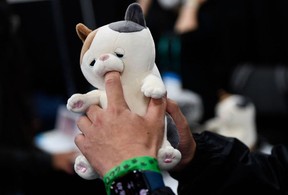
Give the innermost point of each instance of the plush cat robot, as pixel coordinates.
(127, 47)
(234, 117)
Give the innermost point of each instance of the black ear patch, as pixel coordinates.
(135, 14)
(134, 20)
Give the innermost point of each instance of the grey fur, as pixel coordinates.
(134, 20)
(125, 26)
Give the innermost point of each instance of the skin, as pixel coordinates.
(114, 134)
(187, 144)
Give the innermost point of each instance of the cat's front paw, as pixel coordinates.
(77, 103)
(83, 168)
(168, 157)
(153, 87)
(153, 92)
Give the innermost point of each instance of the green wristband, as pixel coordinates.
(143, 163)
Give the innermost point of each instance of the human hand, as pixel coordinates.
(114, 134)
(187, 145)
(187, 18)
(64, 161)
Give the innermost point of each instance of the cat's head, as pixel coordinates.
(123, 46)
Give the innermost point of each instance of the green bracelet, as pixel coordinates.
(144, 163)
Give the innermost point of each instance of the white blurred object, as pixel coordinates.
(189, 102)
(60, 139)
(235, 117)
(170, 181)
(169, 4)
(174, 4)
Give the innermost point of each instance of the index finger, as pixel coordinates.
(114, 90)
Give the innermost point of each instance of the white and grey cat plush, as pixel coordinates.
(127, 47)
(235, 116)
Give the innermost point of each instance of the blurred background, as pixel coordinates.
(240, 46)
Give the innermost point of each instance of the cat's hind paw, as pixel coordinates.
(168, 157)
(83, 168)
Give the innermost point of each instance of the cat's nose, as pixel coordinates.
(104, 57)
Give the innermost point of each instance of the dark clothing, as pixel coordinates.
(225, 166)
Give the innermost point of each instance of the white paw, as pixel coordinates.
(152, 91)
(77, 103)
(83, 168)
(168, 157)
(153, 86)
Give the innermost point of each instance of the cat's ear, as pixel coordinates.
(82, 31)
(222, 94)
(135, 14)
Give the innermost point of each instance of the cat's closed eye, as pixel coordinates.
(92, 63)
(119, 52)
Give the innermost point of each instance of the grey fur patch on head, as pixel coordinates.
(126, 26)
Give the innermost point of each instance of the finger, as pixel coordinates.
(156, 108)
(79, 140)
(92, 112)
(84, 122)
(185, 134)
(174, 110)
(114, 90)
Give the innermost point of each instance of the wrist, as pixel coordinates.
(139, 171)
(137, 182)
(124, 153)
